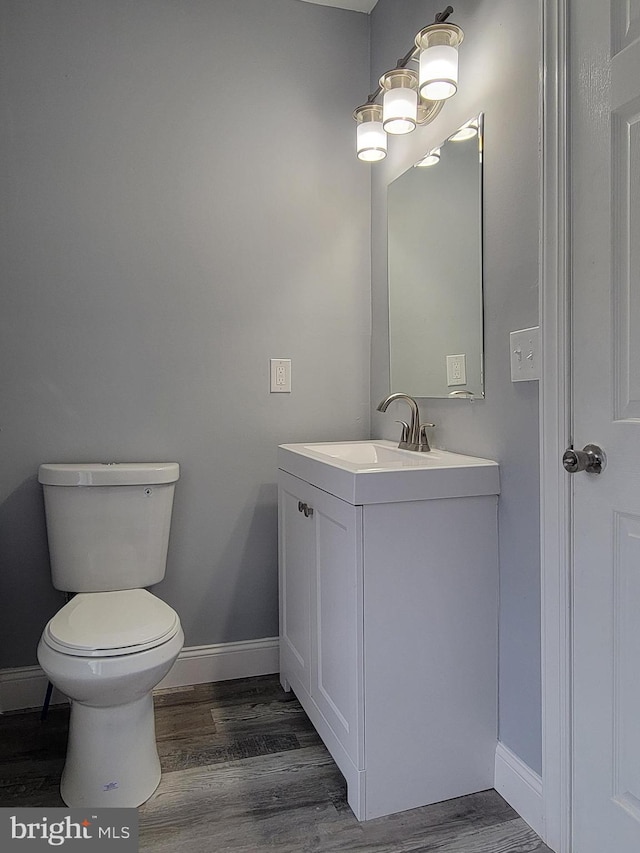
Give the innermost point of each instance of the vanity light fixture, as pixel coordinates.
(430, 159)
(411, 98)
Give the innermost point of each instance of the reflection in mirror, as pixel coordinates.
(435, 271)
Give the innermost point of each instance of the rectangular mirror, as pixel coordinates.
(435, 271)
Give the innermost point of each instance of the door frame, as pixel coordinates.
(555, 427)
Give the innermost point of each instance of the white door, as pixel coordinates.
(605, 211)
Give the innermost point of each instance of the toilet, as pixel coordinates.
(114, 641)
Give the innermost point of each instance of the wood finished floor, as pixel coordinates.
(245, 772)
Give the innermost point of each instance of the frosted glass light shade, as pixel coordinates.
(400, 110)
(400, 100)
(439, 72)
(438, 75)
(467, 131)
(371, 140)
(430, 159)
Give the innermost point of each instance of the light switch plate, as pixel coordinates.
(525, 354)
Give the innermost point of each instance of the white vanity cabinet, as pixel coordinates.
(388, 636)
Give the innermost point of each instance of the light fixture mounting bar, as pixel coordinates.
(442, 16)
(412, 52)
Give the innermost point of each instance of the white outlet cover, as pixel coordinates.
(280, 375)
(525, 354)
(457, 369)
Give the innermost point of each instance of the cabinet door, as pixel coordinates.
(296, 544)
(336, 619)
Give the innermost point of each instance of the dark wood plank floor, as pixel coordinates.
(245, 772)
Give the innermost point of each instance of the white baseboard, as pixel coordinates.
(201, 664)
(25, 687)
(520, 787)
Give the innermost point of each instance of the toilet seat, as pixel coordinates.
(105, 624)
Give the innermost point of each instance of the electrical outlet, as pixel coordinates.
(280, 372)
(457, 369)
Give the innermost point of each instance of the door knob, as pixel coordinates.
(591, 459)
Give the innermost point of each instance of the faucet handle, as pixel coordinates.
(405, 431)
(424, 439)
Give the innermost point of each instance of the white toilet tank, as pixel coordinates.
(108, 523)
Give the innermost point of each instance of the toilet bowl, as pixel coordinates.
(106, 651)
(108, 531)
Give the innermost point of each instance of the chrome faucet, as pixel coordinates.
(414, 434)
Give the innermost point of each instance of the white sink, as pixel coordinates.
(366, 472)
(366, 454)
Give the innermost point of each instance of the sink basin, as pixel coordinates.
(365, 454)
(366, 472)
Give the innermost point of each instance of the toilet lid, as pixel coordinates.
(112, 623)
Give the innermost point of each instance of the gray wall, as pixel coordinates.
(155, 253)
(180, 202)
(498, 75)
